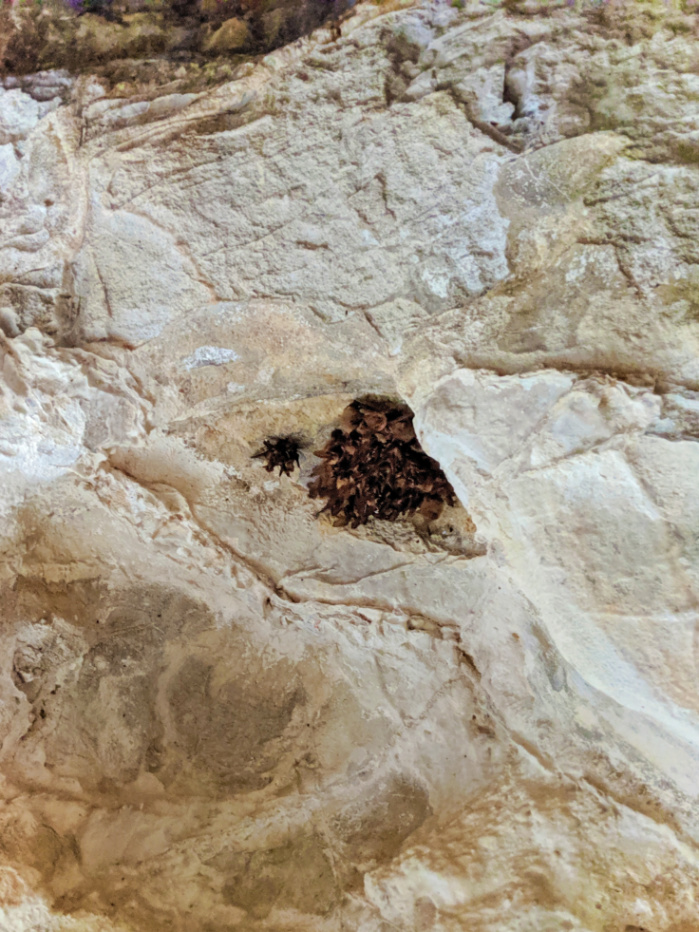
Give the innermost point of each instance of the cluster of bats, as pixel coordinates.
(372, 466)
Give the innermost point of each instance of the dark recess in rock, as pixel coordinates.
(35, 36)
(374, 466)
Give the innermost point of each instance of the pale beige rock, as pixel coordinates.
(218, 711)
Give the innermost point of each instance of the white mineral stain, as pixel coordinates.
(210, 356)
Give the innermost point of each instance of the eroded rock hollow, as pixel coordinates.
(220, 709)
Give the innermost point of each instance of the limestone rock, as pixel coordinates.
(219, 711)
(96, 35)
(231, 35)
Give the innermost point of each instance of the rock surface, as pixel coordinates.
(217, 710)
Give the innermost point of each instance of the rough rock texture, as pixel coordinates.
(91, 34)
(217, 710)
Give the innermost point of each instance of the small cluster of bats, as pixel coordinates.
(372, 466)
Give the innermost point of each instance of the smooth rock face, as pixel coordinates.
(217, 710)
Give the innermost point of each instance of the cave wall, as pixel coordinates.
(217, 709)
